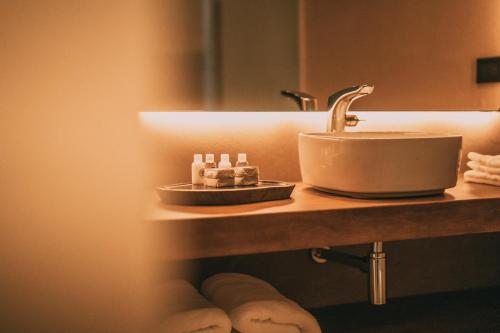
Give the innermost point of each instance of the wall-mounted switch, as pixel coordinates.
(488, 70)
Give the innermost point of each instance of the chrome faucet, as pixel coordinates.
(338, 106)
(305, 101)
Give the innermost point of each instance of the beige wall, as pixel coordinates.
(414, 267)
(420, 55)
(74, 253)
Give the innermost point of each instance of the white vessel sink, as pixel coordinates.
(380, 164)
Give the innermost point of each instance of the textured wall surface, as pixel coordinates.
(413, 267)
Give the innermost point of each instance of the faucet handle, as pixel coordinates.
(352, 120)
(305, 101)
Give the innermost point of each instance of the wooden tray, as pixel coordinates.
(188, 194)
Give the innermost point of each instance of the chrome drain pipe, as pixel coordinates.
(377, 275)
(374, 265)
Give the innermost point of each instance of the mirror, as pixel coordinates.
(419, 55)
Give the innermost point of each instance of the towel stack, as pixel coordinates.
(485, 169)
(255, 306)
(217, 177)
(242, 302)
(187, 311)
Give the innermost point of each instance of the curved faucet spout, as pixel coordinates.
(339, 103)
(305, 101)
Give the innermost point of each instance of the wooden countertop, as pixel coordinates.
(314, 219)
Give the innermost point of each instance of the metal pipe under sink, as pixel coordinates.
(374, 264)
(377, 279)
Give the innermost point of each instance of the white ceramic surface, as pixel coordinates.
(380, 164)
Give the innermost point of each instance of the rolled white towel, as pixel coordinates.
(255, 306)
(486, 160)
(481, 177)
(483, 168)
(187, 311)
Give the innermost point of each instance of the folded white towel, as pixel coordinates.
(486, 160)
(481, 177)
(483, 168)
(255, 306)
(187, 311)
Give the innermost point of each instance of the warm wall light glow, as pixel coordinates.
(270, 138)
(426, 121)
(464, 117)
(208, 121)
(416, 120)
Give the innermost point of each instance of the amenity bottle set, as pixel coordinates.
(208, 174)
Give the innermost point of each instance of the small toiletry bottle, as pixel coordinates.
(224, 161)
(242, 160)
(210, 161)
(196, 170)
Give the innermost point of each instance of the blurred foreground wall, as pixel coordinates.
(74, 253)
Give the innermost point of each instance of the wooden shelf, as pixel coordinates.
(314, 219)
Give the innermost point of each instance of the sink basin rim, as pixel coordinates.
(379, 135)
